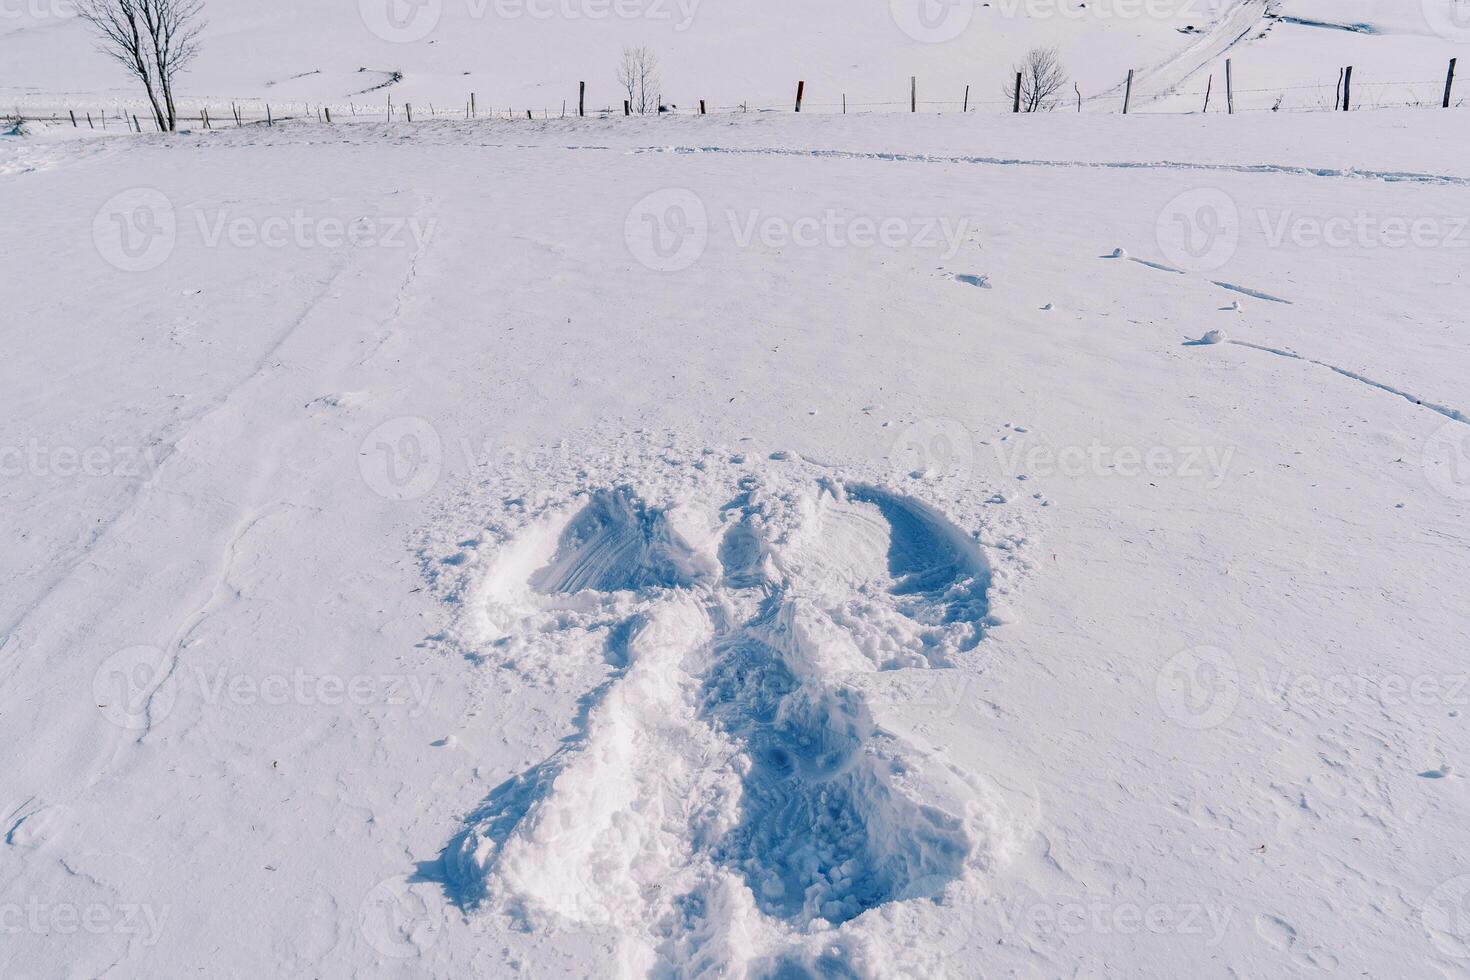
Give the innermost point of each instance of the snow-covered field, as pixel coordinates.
(873, 546)
(514, 55)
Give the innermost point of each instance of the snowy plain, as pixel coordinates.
(881, 545)
(495, 588)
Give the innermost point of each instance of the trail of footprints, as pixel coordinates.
(728, 789)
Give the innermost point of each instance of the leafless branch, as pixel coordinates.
(638, 77)
(154, 40)
(1042, 77)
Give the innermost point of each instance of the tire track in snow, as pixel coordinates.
(1163, 79)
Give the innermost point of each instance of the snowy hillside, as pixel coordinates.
(879, 546)
(531, 54)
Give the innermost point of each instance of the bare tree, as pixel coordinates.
(1041, 78)
(638, 76)
(153, 39)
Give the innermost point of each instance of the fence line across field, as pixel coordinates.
(1347, 93)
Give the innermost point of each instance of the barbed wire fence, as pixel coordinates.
(1209, 94)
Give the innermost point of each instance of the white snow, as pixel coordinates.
(468, 549)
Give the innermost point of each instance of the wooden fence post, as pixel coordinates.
(89, 121)
(844, 103)
(1208, 85)
(627, 107)
(1229, 90)
(800, 91)
(1128, 92)
(1449, 83)
(913, 93)
(73, 118)
(966, 107)
(1347, 89)
(701, 107)
(1016, 95)
(328, 111)
(528, 113)
(1337, 98)
(581, 99)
